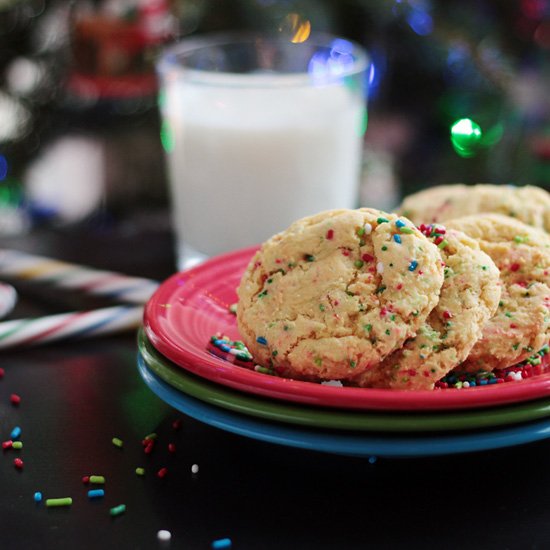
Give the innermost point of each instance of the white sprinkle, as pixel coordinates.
(195, 469)
(515, 376)
(335, 383)
(368, 229)
(164, 535)
(380, 267)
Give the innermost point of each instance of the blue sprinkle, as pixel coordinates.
(221, 543)
(397, 238)
(472, 383)
(96, 493)
(261, 340)
(413, 265)
(372, 459)
(37, 496)
(483, 382)
(492, 381)
(224, 347)
(400, 223)
(15, 433)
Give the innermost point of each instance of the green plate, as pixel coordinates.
(318, 417)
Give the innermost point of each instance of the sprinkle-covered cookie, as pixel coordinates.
(469, 297)
(337, 292)
(528, 204)
(521, 325)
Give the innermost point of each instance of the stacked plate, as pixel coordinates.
(175, 363)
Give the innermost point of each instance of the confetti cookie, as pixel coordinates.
(528, 204)
(337, 292)
(521, 324)
(469, 298)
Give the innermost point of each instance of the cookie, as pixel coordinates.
(337, 292)
(521, 325)
(469, 297)
(528, 204)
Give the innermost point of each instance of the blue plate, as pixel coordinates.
(356, 444)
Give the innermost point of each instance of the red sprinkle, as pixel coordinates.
(367, 258)
(514, 267)
(176, 424)
(18, 463)
(447, 314)
(162, 472)
(171, 447)
(330, 234)
(85, 480)
(15, 399)
(2, 372)
(149, 447)
(513, 325)
(7, 444)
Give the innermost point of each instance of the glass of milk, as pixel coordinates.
(258, 132)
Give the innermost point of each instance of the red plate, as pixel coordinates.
(191, 306)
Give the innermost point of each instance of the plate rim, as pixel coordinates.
(220, 371)
(339, 419)
(351, 444)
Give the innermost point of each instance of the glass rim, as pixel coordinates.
(169, 64)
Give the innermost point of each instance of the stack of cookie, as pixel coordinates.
(384, 300)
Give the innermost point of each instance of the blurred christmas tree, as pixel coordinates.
(459, 89)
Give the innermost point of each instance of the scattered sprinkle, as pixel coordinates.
(359, 264)
(261, 340)
(333, 383)
(233, 309)
(15, 399)
(309, 257)
(330, 234)
(116, 510)
(140, 471)
(380, 267)
(195, 469)
(98, 480)
(220, 544)
(413, 265)
(171, 447)
(117, 442)
(18, 463)
(96, 493)
(162, 472)
(164, 536)
(176, 425)
(7, 444)
(56, 502)
(397, 238)
(15, 433)
(382, 220)
(85, 480)
(37, 496)
(17, 445)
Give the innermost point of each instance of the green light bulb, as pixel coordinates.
(466, 136)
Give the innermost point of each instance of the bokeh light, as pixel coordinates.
(3, 167)
(298, 27)
(466, 136)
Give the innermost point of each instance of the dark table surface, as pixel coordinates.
(77, 396)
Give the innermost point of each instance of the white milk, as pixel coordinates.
(248, 162)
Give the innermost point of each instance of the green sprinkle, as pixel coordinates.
(318, 361)
(117, 442)
(518, 239)
(382, 220)
(262, 370)
(484, 267)
(233, 308)
(360, 232)
(384, 248)
(392, 317)
(17, 445)
(309, 258)
(352, 364)
(443, 244)
(321, 307)
(286, 327)
(501, 304)
(508, 314)
(262, 294)
(388, 332)
(54, 502)
(153, 435)
(100, 480)
(269, 281)
(380, 289)
(140, 471)
(406, 230)
(359, 264)
(117, 510)
(274, 353)
(368, 328)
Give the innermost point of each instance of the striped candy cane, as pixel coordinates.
(63, 326)
(123, 288)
